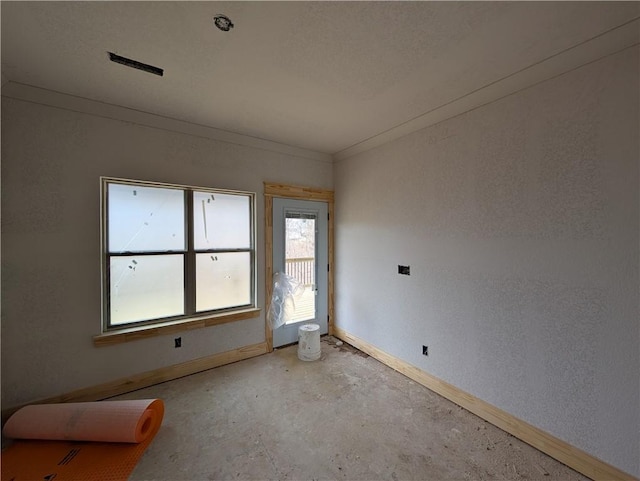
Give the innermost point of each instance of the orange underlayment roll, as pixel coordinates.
(79, 441)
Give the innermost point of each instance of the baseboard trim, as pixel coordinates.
(573, 457)
(149, 378)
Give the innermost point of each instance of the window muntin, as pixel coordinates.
(175, 252)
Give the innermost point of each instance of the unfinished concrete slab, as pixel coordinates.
(343, 417)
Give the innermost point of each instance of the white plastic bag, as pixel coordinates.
(286, 290)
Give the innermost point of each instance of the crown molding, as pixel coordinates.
(51, 98)
(596, 48)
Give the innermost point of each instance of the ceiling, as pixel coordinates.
(323, 76)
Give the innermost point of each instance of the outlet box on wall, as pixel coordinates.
(404, 270)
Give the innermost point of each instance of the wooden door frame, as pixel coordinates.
(272, 190)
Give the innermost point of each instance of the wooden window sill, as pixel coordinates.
(151, 330)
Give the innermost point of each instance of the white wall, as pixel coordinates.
(520, 222)
(52, 159)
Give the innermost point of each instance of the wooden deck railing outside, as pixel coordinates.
(302, 268)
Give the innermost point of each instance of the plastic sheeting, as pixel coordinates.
(286, 290)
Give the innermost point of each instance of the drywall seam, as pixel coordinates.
(603, 45)
(556, 448)
(29, 93)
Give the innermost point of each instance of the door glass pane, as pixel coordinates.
(223, 280)
(221, 221)
(145, 219)
(300, 261)
(146, 287)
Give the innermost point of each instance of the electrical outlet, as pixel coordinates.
(405, 270)
(425, 350)
(177, 342)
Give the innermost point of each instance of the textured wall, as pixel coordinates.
(520, 223)
(51, 163)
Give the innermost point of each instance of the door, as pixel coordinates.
(300, 249)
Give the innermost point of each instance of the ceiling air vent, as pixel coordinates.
(135, 64)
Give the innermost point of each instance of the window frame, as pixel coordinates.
(210, 317)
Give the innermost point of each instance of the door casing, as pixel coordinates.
(272, 190)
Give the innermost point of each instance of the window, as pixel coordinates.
(175, 252)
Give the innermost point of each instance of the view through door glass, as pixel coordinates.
(300, 261)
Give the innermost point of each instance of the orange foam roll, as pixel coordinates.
(106, 421)
(97, 441)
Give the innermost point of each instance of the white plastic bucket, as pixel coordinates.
(309, 342)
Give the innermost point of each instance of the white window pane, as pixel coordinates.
(146, 287)
(145, 218)
(221, 221)
(223, 280)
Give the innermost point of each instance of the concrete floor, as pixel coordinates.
(344, 417)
